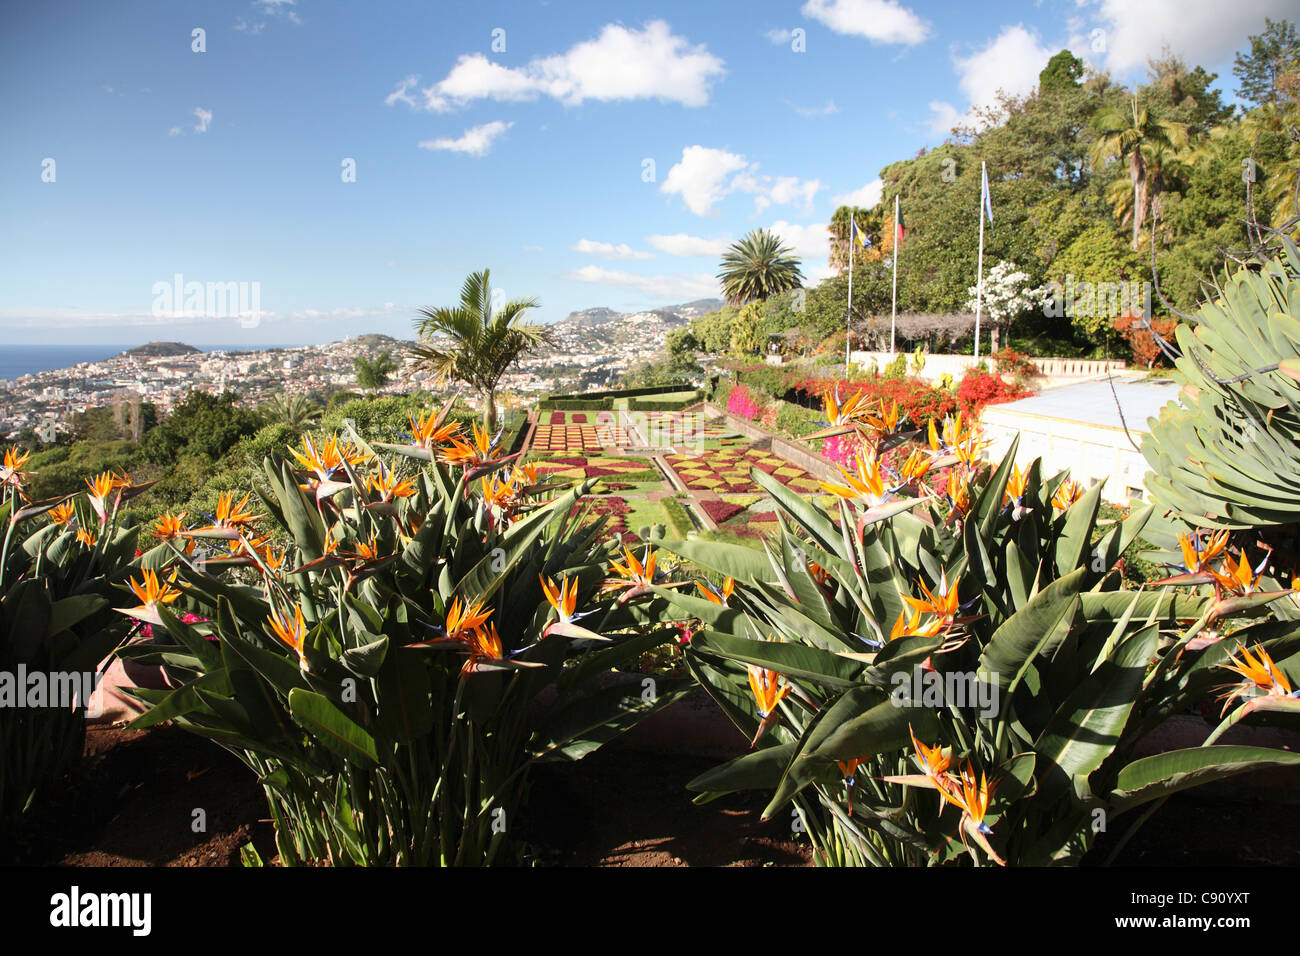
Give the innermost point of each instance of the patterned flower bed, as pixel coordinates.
(557, 436)
(596, 466)
(726, 471)
(720, 510)
(615, 508)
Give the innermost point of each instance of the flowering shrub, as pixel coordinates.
(741, 402)
(841, 449)
(381, 674)
(979, 388)
(1007, 361)
(1140, 340)
(920, 402)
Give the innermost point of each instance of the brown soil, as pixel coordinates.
(132, 803)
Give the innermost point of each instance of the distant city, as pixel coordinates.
(592, 349)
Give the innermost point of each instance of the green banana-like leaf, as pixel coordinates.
(332, 728)
(1151, 778)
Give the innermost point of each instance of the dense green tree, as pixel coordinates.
(1062, 72)
(1267, 72)
(202, 424)
(746, 330)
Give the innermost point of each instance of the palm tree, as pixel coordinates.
(372, 374)
(482, 344)
(1166, 171)
(757, 267)
(296, 411)
(1132, 134)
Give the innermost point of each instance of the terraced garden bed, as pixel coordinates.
(590, 434)
(726, 471)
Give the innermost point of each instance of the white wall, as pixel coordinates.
(1092, 453)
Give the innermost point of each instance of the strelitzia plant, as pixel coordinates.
(394, 679)
(963, 682)
(61, 561)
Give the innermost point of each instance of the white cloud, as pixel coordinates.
(880, 21)
(781, 190)
(1205, 33)
(866, 197)
(619, 64)
(779, 37)
(700, 178)
(809, 241)
(475, 141)
(663, 288)
(945, 117)
(810, 111)
(268, 8)
(174, 131)
(607, 250)
(680, 244)
(403, 92)
(1009, 63)
(204, 117)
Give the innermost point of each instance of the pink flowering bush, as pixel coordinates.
(841, 449)
(742, 403)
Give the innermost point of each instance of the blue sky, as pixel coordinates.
(514, 136)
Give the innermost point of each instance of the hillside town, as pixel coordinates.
(590, 349)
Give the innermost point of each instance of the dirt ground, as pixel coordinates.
(133, 802)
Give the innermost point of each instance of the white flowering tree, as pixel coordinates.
(1006, 295)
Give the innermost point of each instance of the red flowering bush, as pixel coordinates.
(979, 388)
(919, 401)
(1007, 361)
(1140, 340)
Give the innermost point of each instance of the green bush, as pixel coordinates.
(677, 516)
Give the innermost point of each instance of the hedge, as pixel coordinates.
(677, 516)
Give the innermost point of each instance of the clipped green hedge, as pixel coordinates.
(670, 405)
(677, 516)
(576, 405)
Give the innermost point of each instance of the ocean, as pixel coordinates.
(16, 360)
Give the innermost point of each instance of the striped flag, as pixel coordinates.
(984, 192)
(901, 231)
(859, 236)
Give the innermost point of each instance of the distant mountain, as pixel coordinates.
(602, 328)
(161, 350)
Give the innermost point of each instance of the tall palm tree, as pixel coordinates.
(1166, 171)
(476, 345)
(758, 267)
(296, 411)
(1131, 134)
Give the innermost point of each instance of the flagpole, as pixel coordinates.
(979, 268)
(893, 314)
(848, 317)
